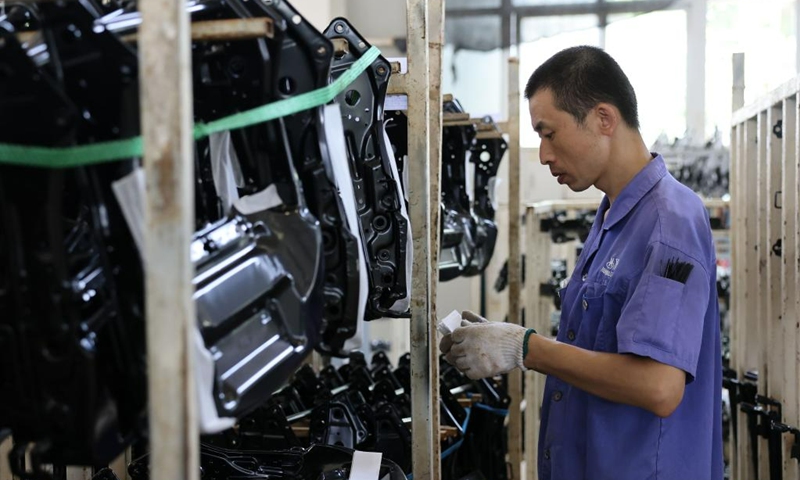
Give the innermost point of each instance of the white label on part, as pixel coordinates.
(130, 193)
(334, 132)
(259, 202)
(401, 306)
(395, 102)
(366, 465)
(225, 169)
(449, 323)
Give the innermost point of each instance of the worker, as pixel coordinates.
(634, 376)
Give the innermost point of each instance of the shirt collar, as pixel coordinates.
(642, 183)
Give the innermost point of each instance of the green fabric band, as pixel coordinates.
(102, 152)
(528, 334)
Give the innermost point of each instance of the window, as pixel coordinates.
(765, 32)
(651, 49)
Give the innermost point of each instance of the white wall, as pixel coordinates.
(320, 12)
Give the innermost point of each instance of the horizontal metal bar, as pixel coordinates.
(397, 84)
(600, 8)
(488, 135)
(448, 117)
(773, 98)
(549, 206)
(207, 30)
(226, 30)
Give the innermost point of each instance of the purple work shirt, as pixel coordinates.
(618, 300)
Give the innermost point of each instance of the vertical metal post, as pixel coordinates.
(696, 69)
(166, 106)
(788, 312)
(424, 388)
(738, 81)
(435, 42)
(762, 250)
(773, 169)
(748, 343)
(738, 250)
(792, 211)
(538, 310)
(514, 264)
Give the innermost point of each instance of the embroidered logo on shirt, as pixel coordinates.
(610, 267)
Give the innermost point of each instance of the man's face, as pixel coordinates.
(576, 154)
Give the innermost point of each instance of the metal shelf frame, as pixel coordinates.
(765, 325)
(166, 125)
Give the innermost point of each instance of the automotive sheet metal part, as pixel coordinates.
(381, 208)
(487, 152)
(70, 280)
(304, 66)
(254, 296)
(457, 227)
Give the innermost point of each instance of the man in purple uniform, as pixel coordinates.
(634, 377)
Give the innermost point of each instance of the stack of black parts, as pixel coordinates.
(286, 260)
(71, 279)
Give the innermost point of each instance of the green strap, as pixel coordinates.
(102, 152)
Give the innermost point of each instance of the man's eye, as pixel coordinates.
(549, 136)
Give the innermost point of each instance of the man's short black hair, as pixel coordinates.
(580, 78)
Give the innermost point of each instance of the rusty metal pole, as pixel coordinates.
(166, 106)
(435, 42)
(424, 388)
(514, 264)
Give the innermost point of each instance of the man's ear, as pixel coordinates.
(608, 118)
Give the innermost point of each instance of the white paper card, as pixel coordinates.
(208, 419)
(402, 305)
(449, 323)
(225, 169)
(366, 465)
(258, 202)
(334, 132)
(130, 193)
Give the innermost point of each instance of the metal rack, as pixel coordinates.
(166, 106)
(167, 140)
(764, 297)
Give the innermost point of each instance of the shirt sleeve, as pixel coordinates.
(663, 319)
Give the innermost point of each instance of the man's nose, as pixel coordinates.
(546, 154)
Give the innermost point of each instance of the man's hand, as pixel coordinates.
(467, 318)
(481, 349)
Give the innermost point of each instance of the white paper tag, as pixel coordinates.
(334, 133)
(395, 102)
(366, 465)
(208, 418)
(130, 193)
(449, 323)
(401, 306)
(225, 169)
(258, 202)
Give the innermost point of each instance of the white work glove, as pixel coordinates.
(481, 349)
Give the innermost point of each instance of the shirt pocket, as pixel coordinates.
(591, 299)
(613, 301)
(658, 319)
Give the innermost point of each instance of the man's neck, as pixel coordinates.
(625, 162)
